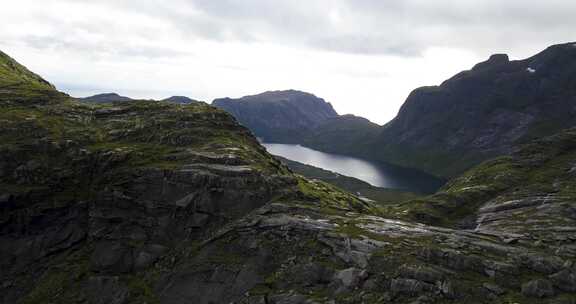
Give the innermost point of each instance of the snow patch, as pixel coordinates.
(530, 70)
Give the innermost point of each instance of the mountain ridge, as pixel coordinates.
(278, 115)
(472, 116)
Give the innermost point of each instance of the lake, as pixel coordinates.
(376, 174)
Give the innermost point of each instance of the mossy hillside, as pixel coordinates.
(136, 134)
(11, 72)
(541, 167)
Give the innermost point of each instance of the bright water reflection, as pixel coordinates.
(385, 176)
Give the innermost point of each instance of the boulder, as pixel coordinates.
(565, 280)
(538, 288)
(350, 278)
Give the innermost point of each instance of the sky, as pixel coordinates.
(363, 56)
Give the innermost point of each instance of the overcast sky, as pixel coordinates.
(363, 56)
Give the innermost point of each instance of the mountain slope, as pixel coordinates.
(13, 74)
(152, 202)
(343, 133)
(278, 116)
(483, 112)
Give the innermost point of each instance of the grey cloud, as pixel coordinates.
(368, 45)
(392, 27)
(97, 49)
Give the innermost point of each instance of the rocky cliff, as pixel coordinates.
(279, 116)
(483, 112)
(152, 202)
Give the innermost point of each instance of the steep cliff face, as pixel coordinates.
(152, 202)
(278, 116)
(483, 112)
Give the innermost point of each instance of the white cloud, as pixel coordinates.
(364, 56)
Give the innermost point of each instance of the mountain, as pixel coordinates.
(105, 97)
(483, 112)
(180, 100)
(152, 202)
(446, 129)
(278, 116)
(342, 133)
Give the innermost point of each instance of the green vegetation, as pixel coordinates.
(539, 167)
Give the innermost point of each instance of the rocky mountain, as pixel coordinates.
(347, 133)
(152, 202)
(180, 100)
(105, 97)
(279, 116)
(473, 116)
(483, 112)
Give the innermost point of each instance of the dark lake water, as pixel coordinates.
(376, 174)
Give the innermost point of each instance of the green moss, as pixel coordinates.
(141, 291)
(61, 284)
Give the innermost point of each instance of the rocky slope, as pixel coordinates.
(152, 202)
(483, 112)
(278, 116)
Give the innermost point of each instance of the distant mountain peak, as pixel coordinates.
(180, 100)
(105, 97)
(279, 95)
(276, 115)
(495, 59)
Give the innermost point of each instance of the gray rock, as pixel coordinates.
(288, 299)
(409, 287)
(542, 264)
(148, 255)
(112, 257)
(493, 288)
(538, 288)
(107, 290)
(565, 280)
(447, 289)
(350, 278)
(421, 273)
